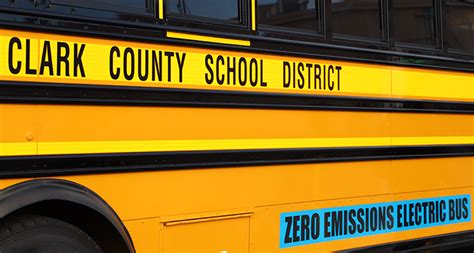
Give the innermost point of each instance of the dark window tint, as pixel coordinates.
(125, 6)
(359, 18)
(414, 22)
(460, 25)
(293, 14)
(218, 9)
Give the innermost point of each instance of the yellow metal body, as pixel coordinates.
(237, 209)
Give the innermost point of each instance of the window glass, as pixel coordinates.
(218, 9)
(414, 22)
(293, 14)
(124, 6)
(460, 25)
(359, 18)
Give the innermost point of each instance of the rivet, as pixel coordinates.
(29, 136)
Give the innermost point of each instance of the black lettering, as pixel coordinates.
(220, 78)
(294, 75)
(344, 222)
(352, 223)
(431, 211)
(286, 74)
(305, 227)
(29, 70)
(128, 53)
(262, 81)
(465, 208)
(317, 77)
(425, 212)
(300, 74)
(330, 83)
(231, 70)
(142, 77)
(242, 70)
(418, 216)
(181, 65)
(373, 219)
(400, 216)
(46, 60)
(78, 52)
(338, 68)
(288, 221)
(157, 65)
(391, 221)
(169, 55)
(382, 218)
(336, 223)
(62, 57)
(309, 66)
(296, 229)
(451, 209)
(436, 211)
(367, 219)
(327, 234)
(411, 214)
(324, 79)
(458, 209)
(210, 73)
(13, 69)
(114, 75)
(405, 216)
(442, 214)
(315, 226)
(253, 71)
(360, 219)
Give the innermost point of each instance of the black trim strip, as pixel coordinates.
(54, 165)
(454, 242)
(41, 93)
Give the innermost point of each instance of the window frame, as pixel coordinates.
(149, 6)
(451, 50)
(382, 41)
(284, 32)
(418, 47)
(207, 23)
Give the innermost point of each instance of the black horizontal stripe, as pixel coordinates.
(42, 93)
(54, 165)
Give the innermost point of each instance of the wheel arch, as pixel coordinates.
(72, 203)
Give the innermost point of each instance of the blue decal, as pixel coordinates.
(322, 225)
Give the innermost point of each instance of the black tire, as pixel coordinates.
(38, 234)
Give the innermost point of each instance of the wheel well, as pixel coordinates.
(87, 219)
(72, 203)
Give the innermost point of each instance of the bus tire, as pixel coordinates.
(39, 234)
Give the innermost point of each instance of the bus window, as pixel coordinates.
(125, 6)
(292, 14)
(460, 25)
(215, 9)
(357, 18)
(414, 22)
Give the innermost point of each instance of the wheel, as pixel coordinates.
(38, 234)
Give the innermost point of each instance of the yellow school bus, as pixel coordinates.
(228, 126)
